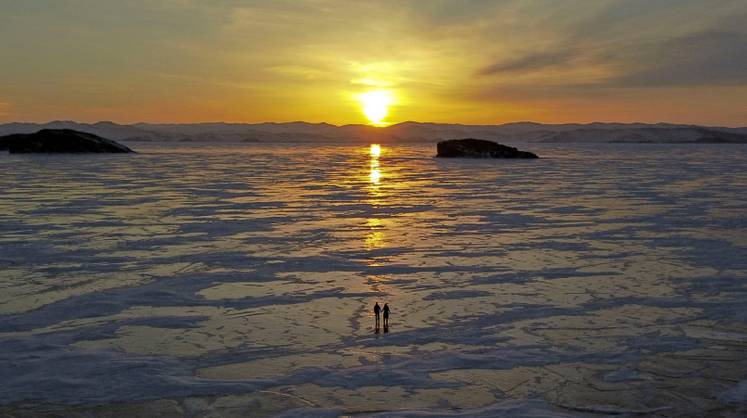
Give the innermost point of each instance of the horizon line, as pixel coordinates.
(518, 122)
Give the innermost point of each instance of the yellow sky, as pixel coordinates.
(440, 61)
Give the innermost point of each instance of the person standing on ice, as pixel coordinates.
(377, 310)
(386, 315)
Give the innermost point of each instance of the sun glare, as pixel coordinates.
(376, 105)
(375, 150)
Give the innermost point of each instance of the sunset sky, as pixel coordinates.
(469, 61)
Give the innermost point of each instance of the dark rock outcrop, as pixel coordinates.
(478, 148)
(60, 141)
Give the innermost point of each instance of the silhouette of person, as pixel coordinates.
(386, 315)
(377, 311)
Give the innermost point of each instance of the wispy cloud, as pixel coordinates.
(532, 61)
(707, 57)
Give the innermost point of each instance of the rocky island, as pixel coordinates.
(60, 141)
(478, 148)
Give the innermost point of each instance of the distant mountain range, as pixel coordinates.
(402, 132)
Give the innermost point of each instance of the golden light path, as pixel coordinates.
(375, 237)
(375, 174)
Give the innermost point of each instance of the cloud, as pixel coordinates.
(709, 57)
(304, 59)
(531, 61)
(300, 72)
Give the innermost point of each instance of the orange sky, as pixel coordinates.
(440, 61)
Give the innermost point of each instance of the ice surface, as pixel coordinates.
(239, 281)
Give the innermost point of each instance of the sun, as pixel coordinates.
(376, 105)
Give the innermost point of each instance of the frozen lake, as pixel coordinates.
(239, 281)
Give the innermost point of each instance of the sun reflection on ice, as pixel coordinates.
(375, 173)
(374, 237)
